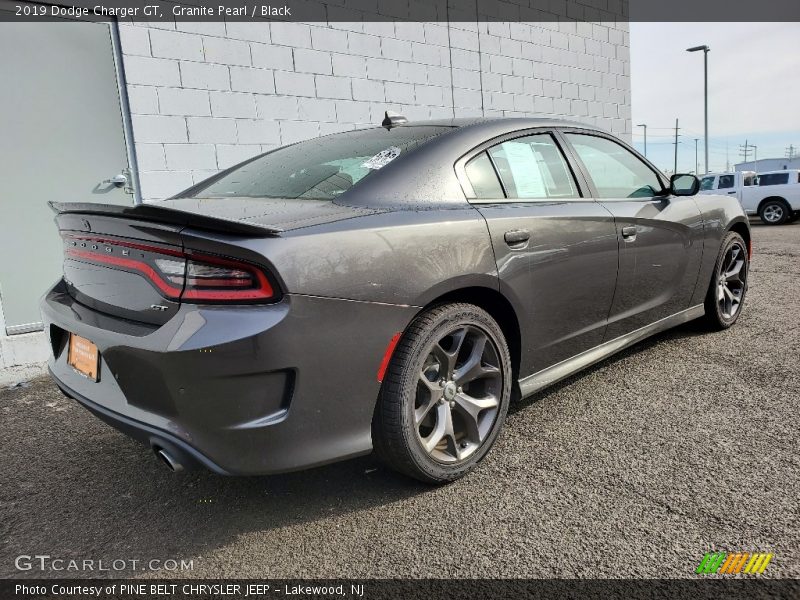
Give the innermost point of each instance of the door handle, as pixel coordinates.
(732, 192)
(629, 233)
(517, 237)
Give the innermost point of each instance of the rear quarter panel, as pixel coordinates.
(406, 256)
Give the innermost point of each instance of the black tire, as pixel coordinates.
(397, 426)
(775, 212)
(718, 314)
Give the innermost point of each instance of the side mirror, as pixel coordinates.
(684, 185)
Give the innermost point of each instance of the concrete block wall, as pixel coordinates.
(204, 96)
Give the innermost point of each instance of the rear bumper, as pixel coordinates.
(240, 390)
(187, 455)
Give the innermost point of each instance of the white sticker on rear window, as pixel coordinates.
(382, 158)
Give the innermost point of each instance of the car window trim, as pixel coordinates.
(581, 185)
(496, 170)
(563, 131)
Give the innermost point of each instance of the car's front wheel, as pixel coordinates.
(728, 286)
(445, 394)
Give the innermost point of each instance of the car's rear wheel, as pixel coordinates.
(728, 284)
(774, 212)
(445, 394)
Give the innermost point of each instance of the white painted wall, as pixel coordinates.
(205, 96)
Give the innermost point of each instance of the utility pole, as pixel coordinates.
(744, 151)
(645, 137)
(755, 157)
(727, 159)
(675, 170)
(696, 165)
(790, 152)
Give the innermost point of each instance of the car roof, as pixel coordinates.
(467, 133)
(511, 122)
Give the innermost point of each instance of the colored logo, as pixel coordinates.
(733, 563)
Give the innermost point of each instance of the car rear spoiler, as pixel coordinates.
(153, 213)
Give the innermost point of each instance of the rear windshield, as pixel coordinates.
(320, 168)
(773, 179)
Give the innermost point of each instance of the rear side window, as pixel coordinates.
(532, 167)
(726, 181)
(615, 170)
(773, 179)
(481, 175)
(320, 168)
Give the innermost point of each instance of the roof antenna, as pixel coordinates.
(393, 119)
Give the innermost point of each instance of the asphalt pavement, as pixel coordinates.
(683, 444)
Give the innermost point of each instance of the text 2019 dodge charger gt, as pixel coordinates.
(389, 289)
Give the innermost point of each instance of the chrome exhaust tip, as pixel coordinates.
(168, 459)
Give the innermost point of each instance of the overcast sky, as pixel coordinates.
(753, 85)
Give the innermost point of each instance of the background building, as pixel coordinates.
(164, 105)
(768, 164)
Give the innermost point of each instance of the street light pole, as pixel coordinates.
(645, 137)
(705, 50)
(696, 166)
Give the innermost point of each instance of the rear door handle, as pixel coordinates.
(517, 237)
(629, 233)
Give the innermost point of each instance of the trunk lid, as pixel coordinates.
(269, 214)
(133, 263)
(106, 261)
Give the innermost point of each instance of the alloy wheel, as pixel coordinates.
(773, 213)
(732, 280)
(458, 394)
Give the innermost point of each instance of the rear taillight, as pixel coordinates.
(178, 275)
(212, 279)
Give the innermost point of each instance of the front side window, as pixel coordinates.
(726, 181)
(615, 170)
(320, 168)
(532, 167)
(707, 183)
(773, 179)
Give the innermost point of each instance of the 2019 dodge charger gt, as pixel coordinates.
(388, 288)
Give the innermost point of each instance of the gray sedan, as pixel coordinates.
(388, 289)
